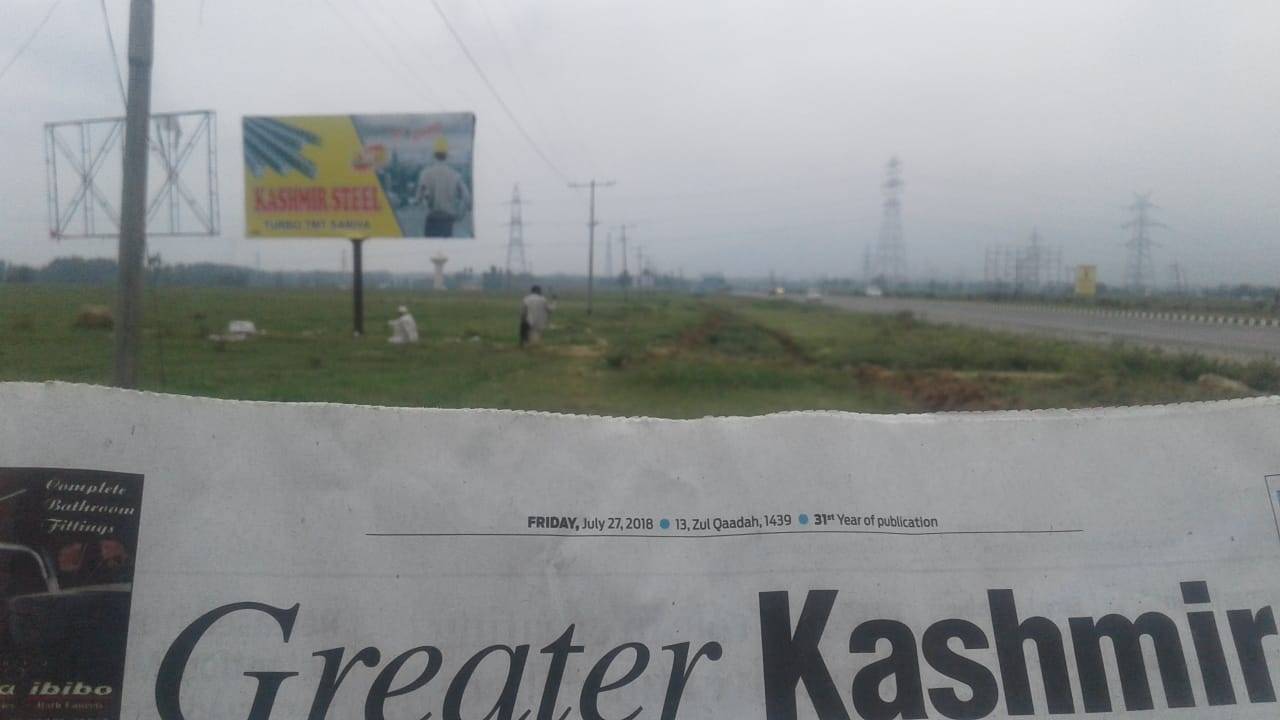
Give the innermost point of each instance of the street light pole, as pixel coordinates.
(591, 234)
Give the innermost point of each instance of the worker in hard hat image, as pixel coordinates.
(444, 192)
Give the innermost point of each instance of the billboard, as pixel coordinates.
(359, 176)
(1086, 280)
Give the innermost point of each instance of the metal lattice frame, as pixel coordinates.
(182, 179)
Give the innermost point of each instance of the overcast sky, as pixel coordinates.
(744, 136)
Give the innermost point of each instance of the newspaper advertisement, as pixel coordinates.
(322, 561)
(68, 542)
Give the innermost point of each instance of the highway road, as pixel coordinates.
(1220, 340)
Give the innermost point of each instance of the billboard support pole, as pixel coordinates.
(133, 197)
(357, 284)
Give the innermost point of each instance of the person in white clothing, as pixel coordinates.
(404, 329)
(535, 315)
(444, 192)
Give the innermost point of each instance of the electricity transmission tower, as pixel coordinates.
(891, 258)
(516, 264)
(1139, 272)
(1179, 277)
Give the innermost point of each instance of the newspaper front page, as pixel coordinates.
(194, 559)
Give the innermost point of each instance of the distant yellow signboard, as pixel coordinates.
(359, 176)
(1086, 280)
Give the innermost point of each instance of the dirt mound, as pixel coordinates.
(731, 334)
(95, 317)
(929, 389)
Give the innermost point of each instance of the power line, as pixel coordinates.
(496, 95)
(111, 45)
(524, 88)
(425, 58)
(368, 12)
(838, 205)
(395, 57)
(374, 48)
(506, 56)
(397, 20)
(744, 189)
(565, 117)
(731, 232)
(30, 38)
(755, 231)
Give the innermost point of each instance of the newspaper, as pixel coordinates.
(206, 559)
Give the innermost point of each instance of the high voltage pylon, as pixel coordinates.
(516, 264)
(1139, 272)
(1179, 278)
(890, 254)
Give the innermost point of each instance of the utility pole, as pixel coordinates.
(624, 277)
(640, 266)
(608, 254)
(1139, 272)
(133, 196)
(591, 233)
(623, 240)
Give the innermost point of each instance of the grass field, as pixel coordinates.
(662, 356)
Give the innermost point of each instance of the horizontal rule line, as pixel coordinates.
(675, 536)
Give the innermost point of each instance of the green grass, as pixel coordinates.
(662, 356)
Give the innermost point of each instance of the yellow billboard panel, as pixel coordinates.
(1086, 280)
(359, 176)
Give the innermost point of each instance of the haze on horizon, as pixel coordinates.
(744, 137)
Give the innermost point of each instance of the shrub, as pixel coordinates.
(1262, 375)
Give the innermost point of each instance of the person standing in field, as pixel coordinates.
(444, 192)
(535, 315)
